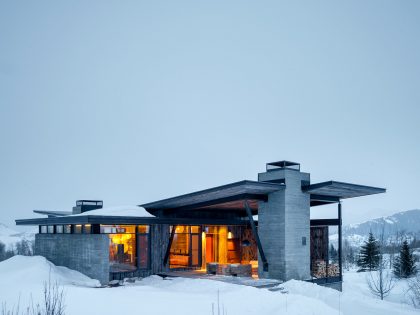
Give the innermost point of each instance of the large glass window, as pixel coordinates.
(185, 249)
(43, 229)
(128, 250)
(50, 229)
(122, 252)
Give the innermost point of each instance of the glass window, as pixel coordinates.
(77, 228)
(59, 229)
(143, 251)
(122, 249)
(43, 229)
(118, 229)
(67, 228)
(87, 229)
(195, 229)
(142, 229)
(50, 229)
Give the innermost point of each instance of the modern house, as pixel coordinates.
(249, 228)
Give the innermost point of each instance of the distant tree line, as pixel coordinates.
(24, 247)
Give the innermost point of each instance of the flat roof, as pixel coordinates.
(121, 220)
(342, 190)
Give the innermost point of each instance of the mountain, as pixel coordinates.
(10, 237)
(405, 224)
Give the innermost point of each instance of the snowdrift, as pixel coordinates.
(34, 270)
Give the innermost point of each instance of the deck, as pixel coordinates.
(201, 274)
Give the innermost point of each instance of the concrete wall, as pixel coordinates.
(271, 230)
(86, 253)
(282, 223)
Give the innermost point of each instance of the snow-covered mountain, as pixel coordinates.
(10, 237)
(401, 224)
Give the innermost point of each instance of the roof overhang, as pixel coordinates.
(227, 197)
(119, 220)
(53, 213)
(333, 191)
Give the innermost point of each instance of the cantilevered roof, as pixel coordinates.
(53, 213)
(226, 195)
(342, 190)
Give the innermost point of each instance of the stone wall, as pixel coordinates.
(86, 253)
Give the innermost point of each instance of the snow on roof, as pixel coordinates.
(118, 211)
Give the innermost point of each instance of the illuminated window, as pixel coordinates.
(87, 228)
(142, 229)
(185, 248)
(78, 229)
(122, 252)
(128, 250)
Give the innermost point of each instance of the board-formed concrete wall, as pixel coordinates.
(284, 227)
(86, 253)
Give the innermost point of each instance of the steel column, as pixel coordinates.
(340, 236)
(168, 250)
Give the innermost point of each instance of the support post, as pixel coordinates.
(257, 238)
(168, 249)
(340, 236)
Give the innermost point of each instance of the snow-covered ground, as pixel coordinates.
(24, 276)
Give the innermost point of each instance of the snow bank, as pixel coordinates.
(34, 270)
(23, 277)
(126, 211)
(355, 298)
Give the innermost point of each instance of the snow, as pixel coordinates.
(24, 276)
(10, 237)
(34, 270)
(119, 211)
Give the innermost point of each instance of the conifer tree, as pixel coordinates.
(405, 265)
(369, 255)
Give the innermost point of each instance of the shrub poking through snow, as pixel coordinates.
(53, 303)
(414, 291)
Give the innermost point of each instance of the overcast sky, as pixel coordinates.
(131, 101)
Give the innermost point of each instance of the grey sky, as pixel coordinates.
(133, 101)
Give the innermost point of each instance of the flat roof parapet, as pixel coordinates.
(89, 203)
(282, 164)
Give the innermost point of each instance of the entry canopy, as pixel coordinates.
(341, 190)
